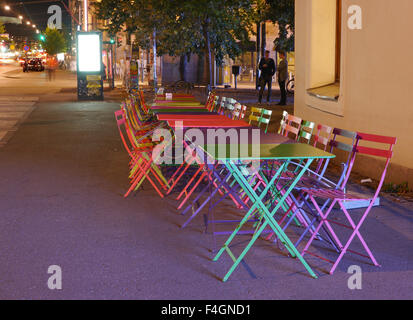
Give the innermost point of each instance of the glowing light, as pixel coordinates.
(6, 7)
(89, 55)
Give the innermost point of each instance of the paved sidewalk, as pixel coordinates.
(63, 175)
(13, 111)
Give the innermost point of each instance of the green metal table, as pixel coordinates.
(282, 154)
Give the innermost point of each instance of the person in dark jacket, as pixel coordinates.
(267, 67)
(282, 75)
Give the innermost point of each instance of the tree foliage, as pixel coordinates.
(181, 25)
(216, 28)
(283, 13)
(54, 42)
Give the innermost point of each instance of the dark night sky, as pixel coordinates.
(36, 12)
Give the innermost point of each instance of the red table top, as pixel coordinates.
(176, 101)
(177, 107)
(227, 123)
(195, 117)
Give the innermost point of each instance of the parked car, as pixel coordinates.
(35, 65)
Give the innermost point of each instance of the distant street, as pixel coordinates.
(14, 82)
(20, 91)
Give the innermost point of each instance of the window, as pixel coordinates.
(325, 49)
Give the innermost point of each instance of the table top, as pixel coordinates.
(206, 123)
(283, 151)
(177, 107)
(176, 104)
(179, 110)
(202, 116)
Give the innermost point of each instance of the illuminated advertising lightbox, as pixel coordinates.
(89, 66)
(89, 52)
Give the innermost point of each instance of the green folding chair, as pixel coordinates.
(265, 121)
(306, 131)
(256, 115)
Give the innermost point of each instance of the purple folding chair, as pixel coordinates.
(339, 196)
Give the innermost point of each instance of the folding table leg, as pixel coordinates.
(268, 216)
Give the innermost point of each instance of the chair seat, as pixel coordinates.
(312, 182)
(337, 194)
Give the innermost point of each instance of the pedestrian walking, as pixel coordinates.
(51, 65)
(282, 75)
(267, 67)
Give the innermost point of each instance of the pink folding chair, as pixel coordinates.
(292, 127)
(339, 196)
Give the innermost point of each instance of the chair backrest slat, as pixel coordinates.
(292, 126)
(283, 122)
(256, 114)
(306, 131)
(374, 152)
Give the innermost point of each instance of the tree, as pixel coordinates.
(211, 28)
(282, 12)
(145, 18)
(2, 30)
(54, 41)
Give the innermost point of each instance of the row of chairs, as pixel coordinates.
(316, 195)
(136, 128)
(237, 111)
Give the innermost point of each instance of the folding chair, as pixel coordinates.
(292, 127)
(306, 131)
(142, 161)
(210, 104)
(256, 114)
(230, 107)
(315, 178)
(243, 112)
(236, 114)
(142, 101)
(321, 140)
(221, 108)
(339, 196)
(283, 122)
(264, 120)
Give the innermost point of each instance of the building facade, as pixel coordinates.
(354, 71)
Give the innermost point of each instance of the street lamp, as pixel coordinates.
(27, 22)
(33, 25)
(85, 14)
(6, 7)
